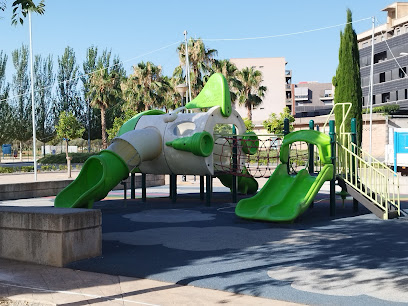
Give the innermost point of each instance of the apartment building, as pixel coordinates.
(390, 81)
(313, 99)
(278, 81)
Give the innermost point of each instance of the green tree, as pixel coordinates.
(6, 114)
(274, 124)
(104, 91)
(249, 126)
(230, 71)
(347, 80)
(68, 128)
(45, 100)
(21, 89)
(21, 7)
(145, 88)
(250, 91)
(118, 122)
(67, 90)
(200, 59)
(93, 115)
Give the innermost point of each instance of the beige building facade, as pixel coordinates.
(278, 82)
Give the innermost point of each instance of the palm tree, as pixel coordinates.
(230, 71)
(250, 91)
(145, 87)
(104, 91)
(200, 59)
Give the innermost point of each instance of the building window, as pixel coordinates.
(402, 72)
(396, 96)
(363, 100)
(382, 77)
(385, 97)
(373, 101)
(379, 57)
(406, 93)
(398, 31)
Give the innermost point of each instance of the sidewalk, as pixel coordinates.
(28, 284)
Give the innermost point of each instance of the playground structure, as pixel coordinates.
(179, 143)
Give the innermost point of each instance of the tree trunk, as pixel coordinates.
(103, 126)
(249, 112)
(66, 148)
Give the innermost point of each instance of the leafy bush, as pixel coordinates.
(77, 158)
(6, 169)
(27, 168)
(386, 109)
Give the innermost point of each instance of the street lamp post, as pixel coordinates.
(182, 89)
(32, 98)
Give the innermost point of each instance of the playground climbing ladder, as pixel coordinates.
(368, 180)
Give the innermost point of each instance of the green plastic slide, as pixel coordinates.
(246, 185)
(98, 176)
(285, 197)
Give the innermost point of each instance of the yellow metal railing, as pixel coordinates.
(374, 179)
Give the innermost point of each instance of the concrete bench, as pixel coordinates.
(50, 236)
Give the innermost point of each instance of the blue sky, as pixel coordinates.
(133, 28)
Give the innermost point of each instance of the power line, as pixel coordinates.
(93, 72)
(392, 54)
(285, 34)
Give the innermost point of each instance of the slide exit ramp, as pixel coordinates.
(366, 179)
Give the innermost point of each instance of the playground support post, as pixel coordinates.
(332, 134)
(201, 187)
(353, 162)
(286, 132)
(173, 187)
(311, 155)
(132, 186)
(208, 185)
(143, 187)
(234, 166)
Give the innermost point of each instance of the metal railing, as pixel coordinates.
(372, 178)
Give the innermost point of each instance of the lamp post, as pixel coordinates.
(182, 89)
(32, 98)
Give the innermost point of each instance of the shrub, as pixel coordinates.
(77, 158)
(6, 170)
(27, 168)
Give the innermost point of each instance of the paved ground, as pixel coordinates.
(157, 246)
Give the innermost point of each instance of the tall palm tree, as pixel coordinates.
(145, 87)
(200, 59)
(104, 91)
(230, 71)
(250, 91)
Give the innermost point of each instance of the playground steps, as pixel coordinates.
(367, 203)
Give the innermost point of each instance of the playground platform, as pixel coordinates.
(352, 258)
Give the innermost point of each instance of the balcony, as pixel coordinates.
(302, 98)
(326, 97)
(288, 101)
(288, 87)
(288, 73)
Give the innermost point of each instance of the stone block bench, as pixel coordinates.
(48, 235)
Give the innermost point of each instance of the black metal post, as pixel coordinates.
(201, 187)
(234, 166)
(332, 134)
(173, 187)
(286, 132)
(311, 155)
(353, 163)
(143, 187)
(132, 186)
(124, 190)
(208, 186)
